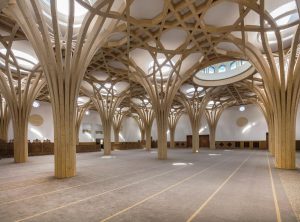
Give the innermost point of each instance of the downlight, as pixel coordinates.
(36, 104)
(242, 108)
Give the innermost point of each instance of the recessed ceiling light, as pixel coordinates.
(242, 108)
(36, 104)
(87, 112)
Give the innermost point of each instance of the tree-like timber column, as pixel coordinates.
(174, 116)
(148, 137)
(81, 109)
(143, 106)
(116, 135)
(107, 124)
(19, 89)
(106, 96)
(118, 118)
(64, 53)
(212, 116)
(20, 127)
(281, 76)
(194, 99)
(162, 127)
(141, 125)
(162, 81)
(4, 119)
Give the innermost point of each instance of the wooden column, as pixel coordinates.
(212, 138)
(174, 115)
(64, 54)
(4, 119)
(146, 115)
(195, 138)
(148, 137)
(281, 77)
(20, 140)
(212, 116)
(284, 140)
(19, 91)
(172, 137)
(106, 100)
(195, 103)
(141, 125)
(162, 127)
(116, 135)
(107, 135)
(118, 118)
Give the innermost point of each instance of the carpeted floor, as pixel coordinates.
(219, 185)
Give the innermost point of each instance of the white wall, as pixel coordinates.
(226, 129)
(45, 131)
(256, 128)
(91, 122)
(130, 131)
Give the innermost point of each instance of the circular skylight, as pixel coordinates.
(63, 7)
(63, 11)
(213, 75)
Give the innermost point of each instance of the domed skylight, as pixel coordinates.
(63, 11)
(222, 71)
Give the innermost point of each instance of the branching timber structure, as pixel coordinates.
(155, 52)
(174, 115)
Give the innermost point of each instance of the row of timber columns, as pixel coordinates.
(64, 71)
(64, 66)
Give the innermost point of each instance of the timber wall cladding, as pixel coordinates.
(44, 148)
(241, 144)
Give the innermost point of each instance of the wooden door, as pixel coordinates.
(204, 141)
(189, 141)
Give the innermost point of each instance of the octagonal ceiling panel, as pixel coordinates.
(99, 75)
(252, 18)
(145, 9)
(117, 65)
(121, 86)
(173, 38)
(86, 87)
(136, 101)
(116, 36)
(228, 46)
(118, 5)
(186, 87)
(81, 100)
(189, 61)
(142, 58)
(222, 14)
